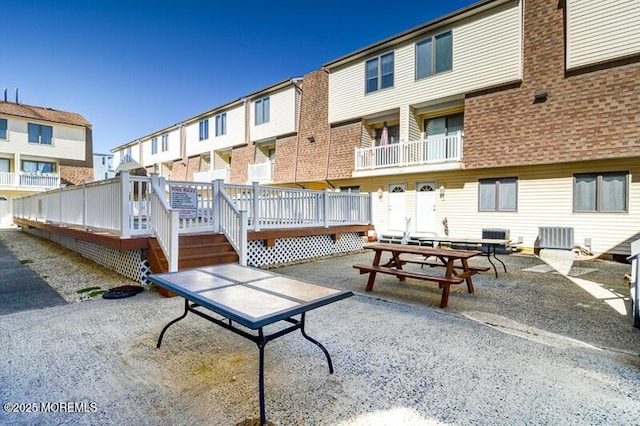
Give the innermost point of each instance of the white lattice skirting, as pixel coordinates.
(126, 263)
(288, 250)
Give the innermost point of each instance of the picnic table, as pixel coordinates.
(489, 243)
(251, 298)
(454, 273)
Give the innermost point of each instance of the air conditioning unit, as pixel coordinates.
(495, 234)
(555, 238)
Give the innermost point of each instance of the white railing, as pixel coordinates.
(261, 172)
(439, 149)
(212, 175)
(291, 208)
(135, 205)
(29, 180)
(232, 222)
(164, 221)
(634, 287)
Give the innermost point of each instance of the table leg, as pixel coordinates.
(496, 258)
(186, 310)
(372, 275)
(261, 344)
(326, 352)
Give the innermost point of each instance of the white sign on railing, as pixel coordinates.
(185, 200)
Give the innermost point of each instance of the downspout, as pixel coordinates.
(326, 175)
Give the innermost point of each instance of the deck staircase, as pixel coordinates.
(195, 250)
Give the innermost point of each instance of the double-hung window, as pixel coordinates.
(262, 110)
(127, 155)
(38, 166)
(434, 55)
(600, 192)
(165, 142)
(498, 195)
(3, 128)
(221, 124)
(39, 133)
(154, 146)
(204, 129)
(379, 73)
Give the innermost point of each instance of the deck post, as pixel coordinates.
(325, 201)
(60, 208)
(256, 206)
(84, 203)
(243, 244)
(124, 205)
(218, 186)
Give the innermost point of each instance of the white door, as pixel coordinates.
(397, 207)
(426, 207)
(5, 212)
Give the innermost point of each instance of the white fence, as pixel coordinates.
(431, 150)
(134, 205)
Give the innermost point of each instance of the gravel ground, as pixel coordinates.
(527, 348)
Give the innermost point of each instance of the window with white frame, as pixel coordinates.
(444, 125)
(165, 142)
(600, 192)
(3, 128)
(40, 133)
(262, 110)
(4, 165)
(379, 72)
(498, 195)
(434, 55)
(154, 145)
(38, 166)
(221, 124)
(204, 129)
(127, 155)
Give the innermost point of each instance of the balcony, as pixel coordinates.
(435, 150)
(261, 172)
(25, 180)
(212, 175)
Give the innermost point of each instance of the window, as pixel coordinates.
(204, 129)
(600, 192)
(444, 125)
(39, 133)
(4, 165)
(393, 134)
(154, 145)
(354, 189)
(498, 195)
(104, 161)
(3, 128)
(379, 73)
(165, 143)
(262, 111)
(434, 55)
(221, 124)
(127, 155)
(38, 167)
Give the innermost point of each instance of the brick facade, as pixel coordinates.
(75, 175)
(593, 114)
(344, 140)
(183, 170)
(241, 157)
(285, 165)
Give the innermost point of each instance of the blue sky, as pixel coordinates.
(134, 67)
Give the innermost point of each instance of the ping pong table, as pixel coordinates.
(251, 298)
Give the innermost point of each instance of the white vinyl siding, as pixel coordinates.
(282, 115)
(173, 153)
(235, 133)
(68, 141)
(487, 51)
(602, 30)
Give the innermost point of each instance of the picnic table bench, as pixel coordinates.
(454, 273)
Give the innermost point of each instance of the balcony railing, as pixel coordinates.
(261, 172)
(439, 149)
(29, 180)
(212, 175)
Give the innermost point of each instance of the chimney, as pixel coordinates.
(17, 96)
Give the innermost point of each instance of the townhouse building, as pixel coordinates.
(40, 148)
(235, 142)
(507, 114)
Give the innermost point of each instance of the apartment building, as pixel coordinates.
(507, 114)
(103, 166)
(40, 148)
(236, 141)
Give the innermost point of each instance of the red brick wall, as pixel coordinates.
(314, 112)
(588, 115)
(285, 165)
(344, 139)
(240, 159)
